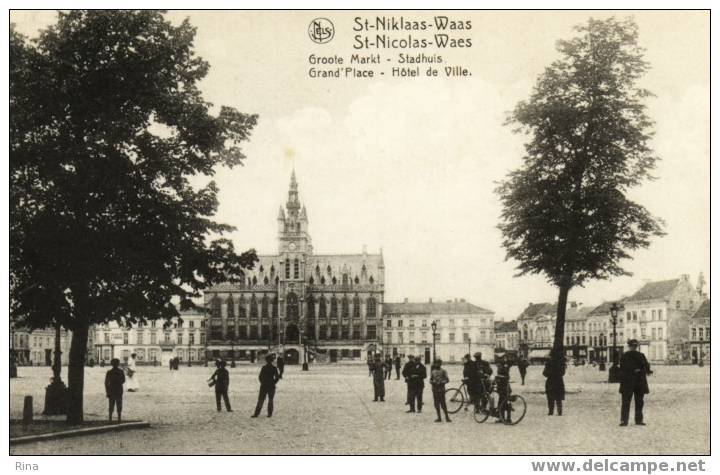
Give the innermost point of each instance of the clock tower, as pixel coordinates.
(293, 238)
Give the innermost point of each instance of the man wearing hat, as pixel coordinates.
(634, 369)
(221, 380)
(406, 375)
(269, 376)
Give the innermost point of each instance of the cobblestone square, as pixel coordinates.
(329, 410)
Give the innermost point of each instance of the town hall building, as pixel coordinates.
(301, 304)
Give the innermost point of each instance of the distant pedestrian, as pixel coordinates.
(114, 380)
(370, 365)
(405, 374)
(133, 383)
(387, 367)
(269, 376)
(554, 384)
(221, 380)
(438, 380)
(397, 366)
(379, 379)
(522, 368)
(634, 369)
(416, 384)
(280, 364)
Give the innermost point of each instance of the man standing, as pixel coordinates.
(634, 369)
(268, 377)
(378, 379)
(280, 364)
(416, 383)
(480, 372)
(388, 367)
(522, 367)
(406, 375)
(114, 380)
(221, 380)
(397, 366)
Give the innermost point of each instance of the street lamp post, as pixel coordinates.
(433, 325)
(305, 366)
(613, 374)
(603, 349)
(232, 350)
(56, 392)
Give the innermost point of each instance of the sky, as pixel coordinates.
(409, 165)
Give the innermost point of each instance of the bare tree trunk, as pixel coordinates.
(76, 373)
(558, 347)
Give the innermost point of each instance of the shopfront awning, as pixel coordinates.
(539, 354)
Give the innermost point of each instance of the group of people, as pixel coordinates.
(634, 369)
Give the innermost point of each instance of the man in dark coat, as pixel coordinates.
(416, 375)
(554, 384)
(397, 366)
(114, 380)
(221, 380)
(281, 365)
(477, 374)
(522, 367)
(268, 377)
(379, 379)
(405, 374)
(388, 367)
(634, 369)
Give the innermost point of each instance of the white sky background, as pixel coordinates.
(410, 165)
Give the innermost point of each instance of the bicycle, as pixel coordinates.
(510, 410)
(457, 398)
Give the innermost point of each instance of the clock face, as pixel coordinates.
(291, 246)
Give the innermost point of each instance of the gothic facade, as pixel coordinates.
(296, 300)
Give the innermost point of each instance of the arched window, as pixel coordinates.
(253, 307)
(356, 307)
(310, 306)
(371, 307)
(296, 269)
(215, 307)
(242, 311)
(287, 268)
(262, 269)
(275, 307)
(254, 280)
(322, 280)
(345, 307)
(357, 280)
(525, 332)
(230, 307)
(265, 307)
(333, 307)
(272, 269)
(334, 280)
(345, 279)
(266, 281)
(311, 281)
(292, 310)
(323, 307)
(277, 279)
(371, 280)
(317, 269)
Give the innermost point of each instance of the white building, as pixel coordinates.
(154, 343)
(461, 328)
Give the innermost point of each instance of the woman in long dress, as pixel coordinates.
(131, 381)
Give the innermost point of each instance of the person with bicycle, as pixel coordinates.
(478, 380)
(502, 386)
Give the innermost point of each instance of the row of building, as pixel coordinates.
(670, 319)
(331, 307)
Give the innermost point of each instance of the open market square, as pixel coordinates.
(330, 410)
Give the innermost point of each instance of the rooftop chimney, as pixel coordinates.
(430, 300)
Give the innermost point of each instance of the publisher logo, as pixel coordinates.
(321, 30)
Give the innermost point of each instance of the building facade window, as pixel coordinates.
(371, 307)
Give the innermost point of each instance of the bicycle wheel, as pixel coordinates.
(454, 400)
(513, 410)
(480, 414)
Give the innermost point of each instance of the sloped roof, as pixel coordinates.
(535, 309)
(703, 311)
(506, 326)
(428, 308)
(604, 308)
(655, 290)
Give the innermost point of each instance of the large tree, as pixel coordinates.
(566, 213)
(107, 128)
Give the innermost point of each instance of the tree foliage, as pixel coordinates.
(566, 213)
(107, 129)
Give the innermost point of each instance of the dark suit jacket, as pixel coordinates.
(221, 376)
(114, 380)
(634, 369)
(416, 375)
(269, 376)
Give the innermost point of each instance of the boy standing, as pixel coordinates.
(114, 380)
